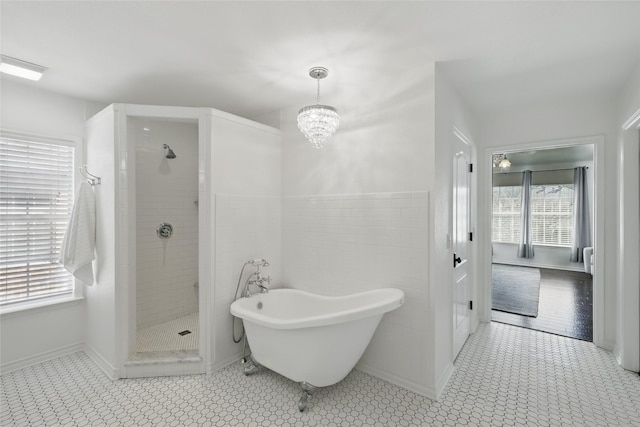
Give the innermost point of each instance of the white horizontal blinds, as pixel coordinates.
(551, 214)
(506, 214)
(36, 199)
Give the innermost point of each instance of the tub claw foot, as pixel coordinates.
(251, 366)
(302, 404)
(307, 389)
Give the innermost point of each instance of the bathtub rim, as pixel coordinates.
(395, 298)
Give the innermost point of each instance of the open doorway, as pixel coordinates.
(542, 239)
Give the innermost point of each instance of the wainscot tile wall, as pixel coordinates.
(343, 244)
(247, 227)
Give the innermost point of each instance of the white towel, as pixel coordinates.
(78, 246)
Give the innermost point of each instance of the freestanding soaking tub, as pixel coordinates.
(312, 339)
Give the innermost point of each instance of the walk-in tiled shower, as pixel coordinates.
(166, 215)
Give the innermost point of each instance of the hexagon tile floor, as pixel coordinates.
(505, 375)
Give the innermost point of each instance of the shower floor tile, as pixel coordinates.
(166, 337)
(504, 376)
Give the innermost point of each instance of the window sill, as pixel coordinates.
(41, 305)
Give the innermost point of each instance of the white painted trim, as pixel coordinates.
(108, 369)
(39, 305)
(41, 357)
(627, 344)
(420, 389)
(442, 382)
(633, 120)
(125, 295)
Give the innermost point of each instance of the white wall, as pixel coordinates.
(382, 146)
(100, 317)
(247, 227)
(346, 199)
(29, 109)
(59, 328)
(246, 199)
(554, 257)
(573, 119)
(166, 191)
(341, 244)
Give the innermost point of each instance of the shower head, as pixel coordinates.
(168, 152)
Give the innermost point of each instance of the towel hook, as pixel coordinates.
(91, 178)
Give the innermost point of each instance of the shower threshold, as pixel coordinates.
(169, 356)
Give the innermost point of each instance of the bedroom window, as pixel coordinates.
(36, 199)
(551, 214)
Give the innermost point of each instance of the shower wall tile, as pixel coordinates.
(343, 244)
(247, 227)
(166, 191)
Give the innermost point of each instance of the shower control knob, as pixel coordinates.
(164, 230)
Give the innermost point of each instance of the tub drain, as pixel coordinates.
(184, 332)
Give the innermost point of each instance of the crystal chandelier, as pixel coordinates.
(318, 122)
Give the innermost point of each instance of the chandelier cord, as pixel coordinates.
(318, 95)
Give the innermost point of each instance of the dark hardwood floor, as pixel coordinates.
(566, 306)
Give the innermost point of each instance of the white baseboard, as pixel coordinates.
(106, 367)
(216, 366)
(442, 382)
(431, 393)
(5, 368)
(617, 353)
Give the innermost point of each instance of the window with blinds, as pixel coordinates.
(36, 199)
(551, 214)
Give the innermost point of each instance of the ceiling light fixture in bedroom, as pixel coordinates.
(20, 68)
(501, 161)
(318, 122)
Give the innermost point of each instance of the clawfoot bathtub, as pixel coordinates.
(312, 339)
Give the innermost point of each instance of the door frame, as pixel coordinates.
(627, 349)
(598, 142)
(126, 236)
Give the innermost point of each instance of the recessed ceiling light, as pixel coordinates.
(17, 67)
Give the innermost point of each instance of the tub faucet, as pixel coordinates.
(259, 282)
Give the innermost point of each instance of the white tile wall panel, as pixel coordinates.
(246, 227)
(343, 244)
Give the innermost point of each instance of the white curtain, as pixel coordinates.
(525, 247)
(581, 221)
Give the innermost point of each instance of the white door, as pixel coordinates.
(461, 237)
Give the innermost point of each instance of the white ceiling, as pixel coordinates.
(251, 58)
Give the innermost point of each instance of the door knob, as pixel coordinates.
(456, 260)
